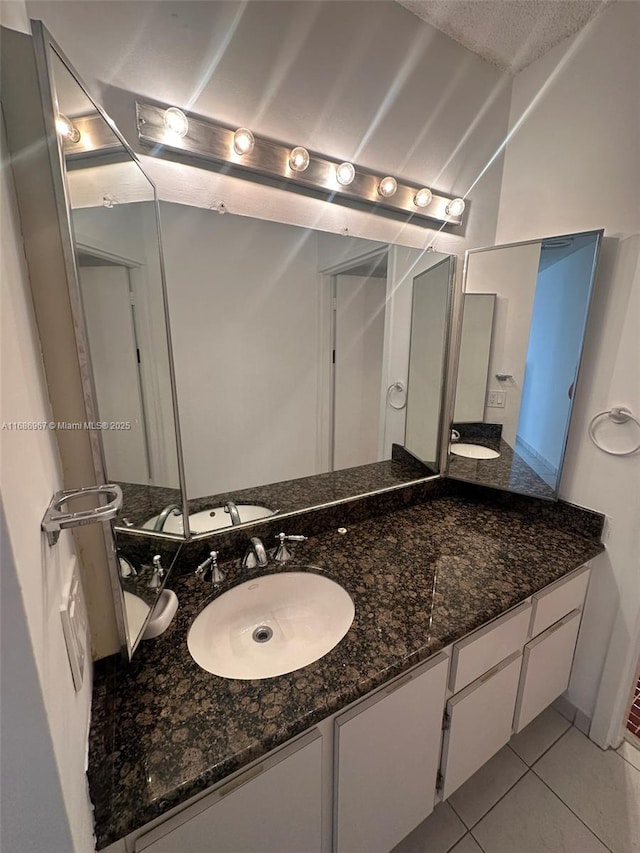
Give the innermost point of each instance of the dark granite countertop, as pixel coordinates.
(509, 471)
(164, 730)
(141, 502)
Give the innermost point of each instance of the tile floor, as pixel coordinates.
(551, 790)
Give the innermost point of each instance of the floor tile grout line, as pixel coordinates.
(550, 747)
(470, 828)
(557, 795)
(476, 840)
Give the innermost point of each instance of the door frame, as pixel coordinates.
(326, 346)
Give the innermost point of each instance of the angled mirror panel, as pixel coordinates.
(122, 330)
(432, 298)
(525, 313)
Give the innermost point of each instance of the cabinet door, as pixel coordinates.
(546, 669)
(479, 722)
(275, 806)
(387, 753)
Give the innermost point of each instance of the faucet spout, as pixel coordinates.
(161, 520)
(255, 555)
(232, 509)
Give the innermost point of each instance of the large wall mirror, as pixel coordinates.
(524, 319)
(291, 347)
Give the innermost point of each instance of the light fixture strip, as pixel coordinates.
(208, 140)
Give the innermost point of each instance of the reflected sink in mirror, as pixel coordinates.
(207, 520)
(271, 625)
(473, 451)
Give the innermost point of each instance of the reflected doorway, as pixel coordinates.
(108, 302)
(358, 320)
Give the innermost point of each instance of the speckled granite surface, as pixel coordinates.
(163, 729)
(508, 471)
(142, 502)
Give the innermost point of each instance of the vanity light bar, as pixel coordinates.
(207, 140)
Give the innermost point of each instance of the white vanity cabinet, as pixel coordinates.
(387, 750)
(485, 672)
(366, 777)
(275, 805)
(520, 663)
(548, 657)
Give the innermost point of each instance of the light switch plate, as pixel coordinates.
(75, 625)
(497, 399)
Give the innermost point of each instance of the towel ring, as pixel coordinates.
(618, 415)
(399, 387)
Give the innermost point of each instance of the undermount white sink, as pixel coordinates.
(271, 625)
(210, 519)
(473, 451)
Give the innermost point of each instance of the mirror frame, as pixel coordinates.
(598, 233)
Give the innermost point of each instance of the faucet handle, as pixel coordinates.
(211, 563)
(283, 553)
(158, 573)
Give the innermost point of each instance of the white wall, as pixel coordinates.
(243, 300)
(55, 809)
(574, 165)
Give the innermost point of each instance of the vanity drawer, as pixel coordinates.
(557, 600)
(483, 649)
(546, 669)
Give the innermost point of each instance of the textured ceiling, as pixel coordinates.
(509, 34)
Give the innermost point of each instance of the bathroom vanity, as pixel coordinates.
(467, 610)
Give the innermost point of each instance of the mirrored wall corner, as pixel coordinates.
(525, 314)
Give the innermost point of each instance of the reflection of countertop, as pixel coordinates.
(508, 471)
(164, 730)
(142, 502)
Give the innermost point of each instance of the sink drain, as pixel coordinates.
(262, 634)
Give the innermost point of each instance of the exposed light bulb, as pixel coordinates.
(243, 141)
(387, 187)
(66, 128)
(299, 159)
(176, 121)
(423, 197)
(455, 207)
(345, 173)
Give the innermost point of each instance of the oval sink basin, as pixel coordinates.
(210, 519)
(473, 451)
(271, 625)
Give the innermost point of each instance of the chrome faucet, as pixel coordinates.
(232, 509)
(255, 554)
(158, 573)
(211, 563)
(161, 520)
